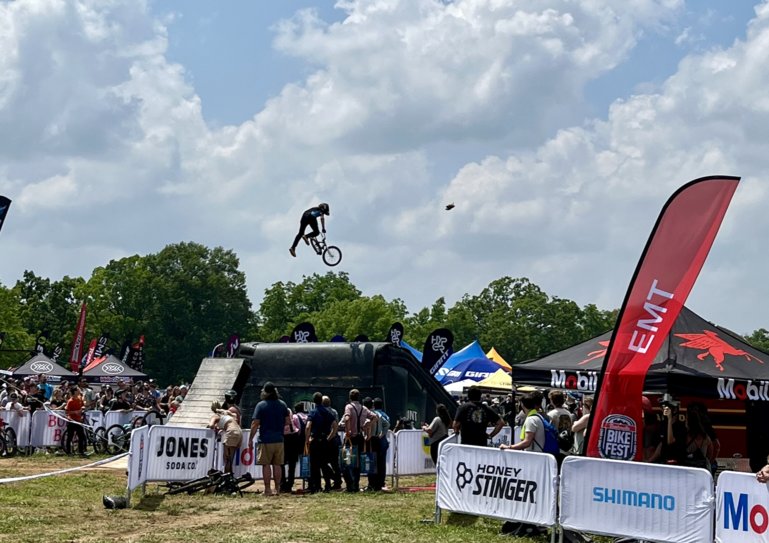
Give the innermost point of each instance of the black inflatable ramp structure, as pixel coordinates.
(215, 377)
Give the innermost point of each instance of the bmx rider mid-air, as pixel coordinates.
(310, 218)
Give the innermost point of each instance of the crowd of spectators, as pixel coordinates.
(32, 393)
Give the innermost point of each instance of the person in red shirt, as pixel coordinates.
(74, 410)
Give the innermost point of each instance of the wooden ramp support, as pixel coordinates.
(215, 377)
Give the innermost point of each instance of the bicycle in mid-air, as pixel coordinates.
(331, 254)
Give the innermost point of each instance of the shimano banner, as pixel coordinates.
(666, 272)
(742, 509)
(631, 499)
(508, 485)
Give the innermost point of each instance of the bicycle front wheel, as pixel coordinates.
(332, 255)
(118, 439)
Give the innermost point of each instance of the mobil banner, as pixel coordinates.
(632, 499)
(508, 485)
(179, 454)
(137, 457)
(245, 457)
(742, 508)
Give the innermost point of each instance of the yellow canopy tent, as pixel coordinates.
(498, 379)
(496, 357)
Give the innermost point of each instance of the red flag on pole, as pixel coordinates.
(77, 341)
(664, 277)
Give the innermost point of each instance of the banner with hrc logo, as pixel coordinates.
(507, 485)
(666, 272)
(632, 499)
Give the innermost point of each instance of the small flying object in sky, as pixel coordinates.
(450, 206)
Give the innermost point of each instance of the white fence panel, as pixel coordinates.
(741, 509)
(633, 499)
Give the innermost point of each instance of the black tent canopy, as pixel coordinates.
(42, 365)
(112, 370)
(698, 358)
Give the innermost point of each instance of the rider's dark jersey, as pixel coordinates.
(314, 212)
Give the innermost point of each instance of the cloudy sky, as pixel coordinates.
(558, 128)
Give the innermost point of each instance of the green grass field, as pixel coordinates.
(68, 508)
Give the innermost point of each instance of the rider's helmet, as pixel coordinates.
(230, 396)
(324, 208)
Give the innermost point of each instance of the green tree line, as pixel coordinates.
(187, 298)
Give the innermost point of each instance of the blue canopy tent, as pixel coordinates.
(412, 350)
(476, 369)
(469, 352)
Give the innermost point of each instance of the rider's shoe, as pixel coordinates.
(292, 251)
(306, 239)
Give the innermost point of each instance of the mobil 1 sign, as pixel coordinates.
(179, 454)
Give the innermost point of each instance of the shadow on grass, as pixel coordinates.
(150, 502)
(458, 519)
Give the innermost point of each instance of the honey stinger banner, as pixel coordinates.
(669, 265)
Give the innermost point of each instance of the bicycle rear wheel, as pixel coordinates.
(153, 417)
(332, 255)
(11, 447)
(100, 440)
(68, 448)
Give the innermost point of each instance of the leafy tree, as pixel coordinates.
(759, 339)
(371, 316)
(49, 308)
(284, 304)
(15, 336)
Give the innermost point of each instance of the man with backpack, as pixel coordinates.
(473, 418)
(538, 433)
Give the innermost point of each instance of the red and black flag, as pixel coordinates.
(5, 204)
(136, 360)
(663, 279)
(439, 346)
(232, 344)
(77, 341)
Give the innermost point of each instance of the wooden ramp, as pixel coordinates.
(215, 377)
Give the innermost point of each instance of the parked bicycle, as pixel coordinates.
(8, 443)
(95, 437)
(331, 254)
(119, 435)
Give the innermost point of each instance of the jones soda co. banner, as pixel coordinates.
(179, 454)
(508, 485)
(666, 272)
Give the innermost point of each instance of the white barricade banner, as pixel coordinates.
(508, 485)
(137, 457)
(179, 454)
(413, 453)
(741, 508)
(47, 428)
(21, 422)
(121, 417)
(633, 499)
(244, 460)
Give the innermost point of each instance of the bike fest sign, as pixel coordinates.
(508, 485)
(742, 509)
(632, 499)
(665, 274)
(179, 454)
